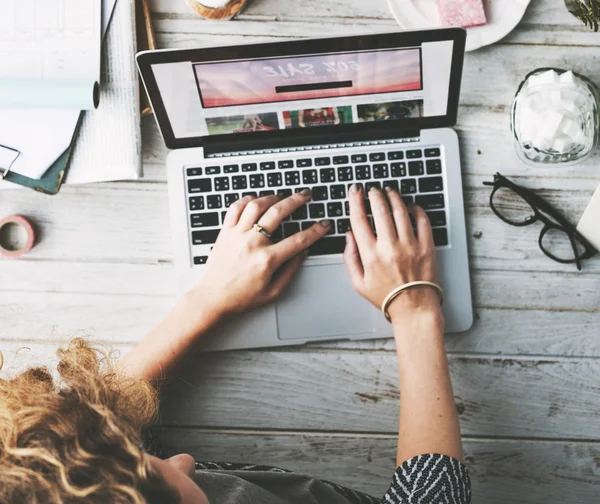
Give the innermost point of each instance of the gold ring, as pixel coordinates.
(259, 229)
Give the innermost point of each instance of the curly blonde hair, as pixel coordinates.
(77, 439)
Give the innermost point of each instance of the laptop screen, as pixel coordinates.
(228, 94)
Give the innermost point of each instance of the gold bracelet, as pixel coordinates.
(399, 290)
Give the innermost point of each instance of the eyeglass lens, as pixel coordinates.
(512, 207)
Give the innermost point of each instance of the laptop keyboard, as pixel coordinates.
(416, 173)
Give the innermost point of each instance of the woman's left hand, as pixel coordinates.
(245, 268)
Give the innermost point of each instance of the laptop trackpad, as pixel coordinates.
(321, 303)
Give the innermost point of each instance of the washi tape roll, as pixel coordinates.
(8, 249)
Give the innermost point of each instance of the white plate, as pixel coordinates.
(502, 15)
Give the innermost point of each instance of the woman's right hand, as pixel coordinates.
(379, 264)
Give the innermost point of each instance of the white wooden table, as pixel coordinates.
(526, 377)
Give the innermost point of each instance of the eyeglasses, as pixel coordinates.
(518, 206)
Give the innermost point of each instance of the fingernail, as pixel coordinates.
(373, 189)
(355, 188)
(327, 223)
(388, 188)
(305, 192)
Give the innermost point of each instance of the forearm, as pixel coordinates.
(175, 336)
(428, 419)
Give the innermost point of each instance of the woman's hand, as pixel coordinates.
(246, 269)
(377, 265)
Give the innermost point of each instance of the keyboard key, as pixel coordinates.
(310, 177)
(250, 193)
(345, 173)
(230, 199)
(327, 246)
(341, 160)
(197, 203)
(393, 184)
(266, 193)
(343, 226)
(205, 237)
(300, 189)
(327, 175)
(415, 168)
(431, 184)
(267, 165)
(322, 161)
(249, 167)
(213, 170)
(414, 154)
(377, 156)
(317, 210)
(334, 209)
(285, 193)
(408, 186)
(338, 191)
(370, 185)
(277, 235)
(290, 228)
(408, 200)
(200, 259)
(319, 193)
(222, 184)
(303, 163)
(205, 219)
(367, 203)
(292, 178)
(233, 168)
(223, 215)
(359, 158)
(195, 172)
(430, 201)
(434, 166)
(432, 152)
(395, 155)
(363, 172)
(214, 201)
(301, 213)
(199, 185)
(437, 218)
(347, 207)
(440, 237)
(307, 224)
(283, 165)
(274, 179)
(398, 169)
(239, 182)
(257, 181)
(380, 171)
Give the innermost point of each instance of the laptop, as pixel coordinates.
(274, 118)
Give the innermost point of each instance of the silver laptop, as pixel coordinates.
(323, 114)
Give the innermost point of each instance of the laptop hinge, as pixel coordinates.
(224, 146)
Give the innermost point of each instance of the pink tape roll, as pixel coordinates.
(22, 222)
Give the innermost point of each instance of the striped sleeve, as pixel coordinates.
(430, 479)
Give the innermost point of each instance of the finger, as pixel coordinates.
(254, 210)
(384, 223)
(273, 217)
(235, 210)
(284, 276)
(288, 248)
(352, 261)
(400, 214)
(424, 234)
(361, 226)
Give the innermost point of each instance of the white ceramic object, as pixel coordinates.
(502, 15)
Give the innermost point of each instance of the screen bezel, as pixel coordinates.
(146, 59)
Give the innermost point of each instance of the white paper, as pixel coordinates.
(109, 143)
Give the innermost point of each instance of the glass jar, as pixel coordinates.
(555, 117)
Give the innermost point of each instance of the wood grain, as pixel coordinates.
(501, 471)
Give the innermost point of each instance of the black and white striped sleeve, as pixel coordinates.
(430, 479)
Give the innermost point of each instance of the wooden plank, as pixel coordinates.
(501, 471)
(359, 393)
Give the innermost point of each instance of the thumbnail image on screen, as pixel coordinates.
(242, 123)
(326, 116)
(390, 111)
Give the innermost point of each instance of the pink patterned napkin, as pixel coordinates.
(461, 12)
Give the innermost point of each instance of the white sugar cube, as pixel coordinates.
(550, 124)
(570, 128)
(543, 142)
(567, 77)
(548, 77)
(562, 143)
